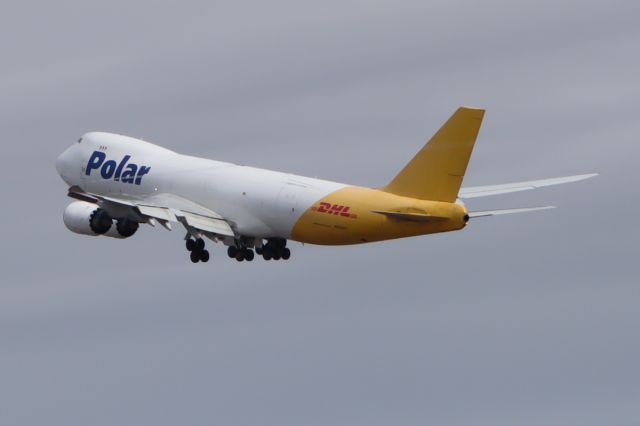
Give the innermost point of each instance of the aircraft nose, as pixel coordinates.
(61, 161)
(64, 163)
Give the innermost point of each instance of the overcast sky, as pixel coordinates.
(527, 319)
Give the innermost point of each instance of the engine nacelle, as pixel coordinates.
(86, 218)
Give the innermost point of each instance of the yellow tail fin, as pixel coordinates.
(437, 170)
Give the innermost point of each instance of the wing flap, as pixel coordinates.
(157, 212)
(207, 224)
(484, 191)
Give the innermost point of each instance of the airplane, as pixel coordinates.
(120, 182)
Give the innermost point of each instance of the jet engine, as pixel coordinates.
(86, 218)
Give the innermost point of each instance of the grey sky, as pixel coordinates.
(530, 319)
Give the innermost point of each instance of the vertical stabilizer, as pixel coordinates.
(437, 170)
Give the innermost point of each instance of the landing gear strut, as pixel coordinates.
(198, 252)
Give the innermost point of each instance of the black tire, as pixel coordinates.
(266, 255)
(259, 250)
(191, 244)
(277, 256)
(248, 255)
(195, 256)
(204, 256)
(286, 253)
(240, 256)
(232, 251)
(200, 244)
(278, 242)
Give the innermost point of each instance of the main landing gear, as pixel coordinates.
(198, 252)
(275, 248)
(240, 253)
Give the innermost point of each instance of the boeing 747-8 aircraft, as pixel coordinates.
(120, 182)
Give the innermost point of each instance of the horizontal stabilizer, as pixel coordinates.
(473, 215)
(484, 191)
(412, 217)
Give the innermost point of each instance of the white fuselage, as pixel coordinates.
(121, 182)
(257, 202)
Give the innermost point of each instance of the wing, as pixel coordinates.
(163, 209)
(483, 191)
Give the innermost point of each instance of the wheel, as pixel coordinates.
(204, 256)
(200, 244)
(191, 244)
(286, 253)
(240, 256)
(278, 242)
(248, 255)
(232, 251)
(277, 256)
(195, 256)
(258, 250)
(266, 255)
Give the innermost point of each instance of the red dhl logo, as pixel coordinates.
(334, 209)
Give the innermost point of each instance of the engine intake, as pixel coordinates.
(86, 218)
(100, 221)
(127, 227)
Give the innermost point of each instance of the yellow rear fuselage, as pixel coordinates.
(355, 215)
